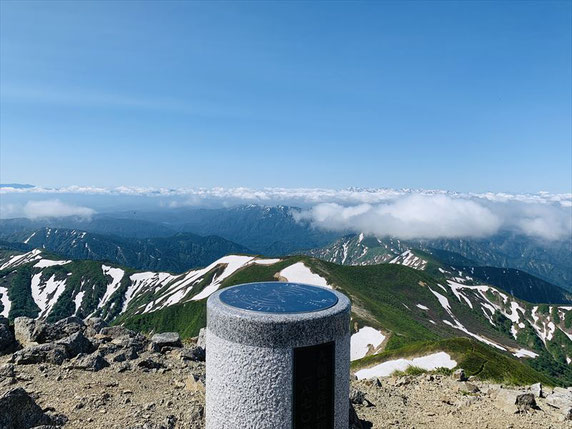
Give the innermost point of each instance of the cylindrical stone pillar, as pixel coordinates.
(278, 357)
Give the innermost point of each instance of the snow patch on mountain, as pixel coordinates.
(525, 353)
(5, 301)
(233, 264)
(46, 294)
(362, 340)
(44, 263)
(429, 363)
(409, 259)
(300, 273)
(116, 275)
(77, 301)
(21, 259)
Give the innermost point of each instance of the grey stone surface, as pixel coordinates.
(7, 339)
(23, 329)
(250, 362)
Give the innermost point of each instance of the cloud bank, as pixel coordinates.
(402, 213)
(441, 216)
(54, 208)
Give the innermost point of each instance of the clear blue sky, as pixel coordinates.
(452, 95)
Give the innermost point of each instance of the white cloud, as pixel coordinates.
(404, 213)
(413, 216)
(54, 208)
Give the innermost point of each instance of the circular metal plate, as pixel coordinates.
(279, 297)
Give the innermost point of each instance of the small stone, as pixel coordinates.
(459, 375)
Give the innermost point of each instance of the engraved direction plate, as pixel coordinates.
(313, 387)
(279, 297)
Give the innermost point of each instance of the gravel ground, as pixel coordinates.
(174, 398)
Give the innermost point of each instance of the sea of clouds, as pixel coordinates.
(402, 213)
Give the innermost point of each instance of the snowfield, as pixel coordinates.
(44, 263)
(428, 363)
(300, 273)
(362, 339)
(24, 258)
(525, 353)
(5, 301)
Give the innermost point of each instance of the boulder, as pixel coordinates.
(7, 338)
(459, 375)
(357, 397)
(193, 353)
(19, 411)
(561, 399)
(165, 339)
(42, 353)
(75, 344)
(194, 385)
(355, 422)
(117, 331)
(202, 340)
(45, 332)
(7, 374)
(136, 342)
(536, 389)
(94, 325)
(23, 330)
(468, 387)
(150, 364)
(513, 401)
(93, 362)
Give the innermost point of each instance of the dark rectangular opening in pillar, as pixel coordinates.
(313, 389)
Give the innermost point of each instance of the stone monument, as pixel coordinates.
(278, 357)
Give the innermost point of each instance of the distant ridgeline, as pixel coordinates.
(414, 303)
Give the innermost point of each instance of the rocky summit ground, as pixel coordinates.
(86, 375)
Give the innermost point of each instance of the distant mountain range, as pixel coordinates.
(417, 300)
(273, 231)
(549, 262)
(176, 253)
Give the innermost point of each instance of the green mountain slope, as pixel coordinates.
(408, 306)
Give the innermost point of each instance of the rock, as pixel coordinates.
(42, 353)
(469, 387)
(561, 399)
(23, 330)
(525, 402)
(459, 375)
(137, 342)
(7, 374)
(194, 385)
(117, 331)
(357, 397)
(47, 332)
(193, 353)
(536, 389)
(513, 401)
(165, 339)
(94, 325)
(7, 338)
(355, 422)
(75, 344)
(150, 364)
(93, 362)
(19, 411)
(202, 340)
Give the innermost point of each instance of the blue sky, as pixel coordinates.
(450, 95)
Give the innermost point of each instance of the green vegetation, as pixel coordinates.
(20, 292)
(475, 358)
(186, 319)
